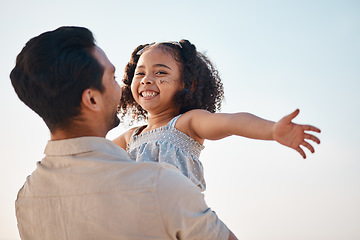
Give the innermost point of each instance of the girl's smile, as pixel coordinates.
(148, 94)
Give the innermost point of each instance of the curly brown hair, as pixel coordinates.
(202, 84)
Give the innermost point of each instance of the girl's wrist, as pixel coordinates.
(273, 130)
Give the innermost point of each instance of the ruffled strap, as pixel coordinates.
(173, 121)
(136, 131)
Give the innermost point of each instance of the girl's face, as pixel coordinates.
(157, 79)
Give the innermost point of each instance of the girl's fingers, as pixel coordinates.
(312, 138)
(302, 153)
(292, 115)
(308, 146)
(311, 128)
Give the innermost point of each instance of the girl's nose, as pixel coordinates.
(146, 80)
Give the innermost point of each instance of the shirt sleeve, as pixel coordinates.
(184, 212)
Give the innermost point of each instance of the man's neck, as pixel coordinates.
(74, 132)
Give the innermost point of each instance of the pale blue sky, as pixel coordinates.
(273, 57)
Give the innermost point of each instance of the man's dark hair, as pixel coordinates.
(53, 70)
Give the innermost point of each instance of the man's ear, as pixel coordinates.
(91, 98)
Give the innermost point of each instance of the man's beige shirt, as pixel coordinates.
(88, 188)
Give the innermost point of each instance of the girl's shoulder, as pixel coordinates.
(124, 138)
(184, 123)
(190, 115)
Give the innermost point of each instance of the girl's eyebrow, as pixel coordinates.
(156, 65)
(162, 65)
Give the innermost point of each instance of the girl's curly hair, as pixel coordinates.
(202, 84)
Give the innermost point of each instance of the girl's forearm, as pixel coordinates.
(250, 126)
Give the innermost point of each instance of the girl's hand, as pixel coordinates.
(293, 135)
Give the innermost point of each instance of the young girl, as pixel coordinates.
(177, 90)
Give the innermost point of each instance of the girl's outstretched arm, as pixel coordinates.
(213, 126)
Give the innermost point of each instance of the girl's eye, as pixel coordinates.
(160, 72)
(139, 73)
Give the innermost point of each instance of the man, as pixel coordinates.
(86, 187)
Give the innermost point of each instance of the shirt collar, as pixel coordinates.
(79, 145)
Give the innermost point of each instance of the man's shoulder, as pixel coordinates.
(160, 176)
(171, 180)
(144, 174)
(158, 172)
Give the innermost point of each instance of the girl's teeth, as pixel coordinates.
(148, 94)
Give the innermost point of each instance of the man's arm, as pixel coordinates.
(184, 211)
